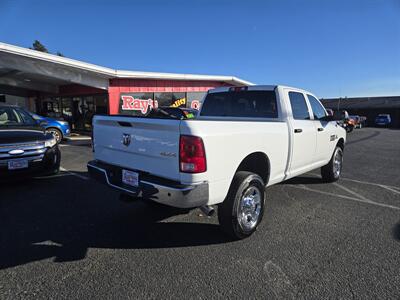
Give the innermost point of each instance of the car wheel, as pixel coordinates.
(56, 133)
(331, 171)
(243, 208)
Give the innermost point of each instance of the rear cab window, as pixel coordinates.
(242, 104)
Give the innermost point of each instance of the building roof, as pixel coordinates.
(32, 61)
(363, 102)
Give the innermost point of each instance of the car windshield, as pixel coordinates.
(14, 116)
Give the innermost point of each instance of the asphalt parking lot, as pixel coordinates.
(69, 237)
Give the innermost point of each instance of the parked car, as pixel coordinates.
(356, 120)
(60, 129)
(347, 123)
(383, 120)
(25, 147)
(363, 121)
(244, 139)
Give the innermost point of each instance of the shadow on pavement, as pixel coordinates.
(63, 216)
(304, 180)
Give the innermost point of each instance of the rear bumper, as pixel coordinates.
(150, 187)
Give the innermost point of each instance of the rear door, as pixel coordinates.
(143, 144)
(302, 132)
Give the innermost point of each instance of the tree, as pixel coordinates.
(59, 54)
(38, 46)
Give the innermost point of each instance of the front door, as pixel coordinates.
(326, 138)
(303, 134)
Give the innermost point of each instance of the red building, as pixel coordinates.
(72, 90)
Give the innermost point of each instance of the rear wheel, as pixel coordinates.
(243, 209)
(331, 171)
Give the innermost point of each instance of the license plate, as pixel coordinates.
(17, 164)
(130, 178)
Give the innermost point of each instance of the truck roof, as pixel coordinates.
(259, 88)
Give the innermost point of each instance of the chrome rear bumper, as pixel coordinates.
(150, 187)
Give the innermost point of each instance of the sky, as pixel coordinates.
(333, 48)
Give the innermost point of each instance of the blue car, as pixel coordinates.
(60, 129)
(383, 120)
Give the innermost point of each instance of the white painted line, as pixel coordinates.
(279, 281)
(394, 189)
(344, 197)
(389, 187)
(351, 192)
(74, 174)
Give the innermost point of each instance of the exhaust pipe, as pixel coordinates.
(207, 210)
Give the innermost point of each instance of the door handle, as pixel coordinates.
(320, 129)
(298, 130)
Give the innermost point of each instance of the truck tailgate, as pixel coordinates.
(153, 145)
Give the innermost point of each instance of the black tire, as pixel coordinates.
(228, 211)
(56, 167)
(331, 171)
(57, 134)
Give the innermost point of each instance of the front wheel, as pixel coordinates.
(331, 171)
(243, 209)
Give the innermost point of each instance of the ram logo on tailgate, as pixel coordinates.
(126, 139)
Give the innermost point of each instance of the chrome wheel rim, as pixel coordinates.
(249, 208)
(56, 134)
(337, 163)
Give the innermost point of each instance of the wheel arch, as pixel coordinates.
(340, 143)
(258, 163)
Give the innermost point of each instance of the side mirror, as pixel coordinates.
(337, 116)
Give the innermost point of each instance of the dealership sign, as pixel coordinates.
(132, 104)
(143, 103)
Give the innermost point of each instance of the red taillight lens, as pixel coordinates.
(192, 155)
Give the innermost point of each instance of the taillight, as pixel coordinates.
(192, 155)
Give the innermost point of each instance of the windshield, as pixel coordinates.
(14, 116)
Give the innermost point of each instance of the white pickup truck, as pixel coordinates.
(243, 140)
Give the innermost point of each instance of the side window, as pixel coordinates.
(317, 108)
(299, 106)
(26, 118)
